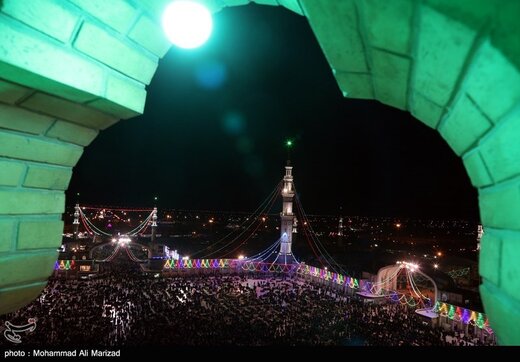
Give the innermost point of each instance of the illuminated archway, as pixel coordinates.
(69, 69)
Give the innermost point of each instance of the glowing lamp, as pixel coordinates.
(187, 24)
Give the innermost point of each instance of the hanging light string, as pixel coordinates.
(305, 232)
(250, 235)
(255, 218)
(415, 288)
(268, 207)
(411, 288)
(374, 287)
(114, 208)
(89, 231)
(92, 226)
(132, 256)
(323, 252)
(316, 240)
(259, 211)
(111, 256)
(98, 231)
(141, 226)
(265, 252)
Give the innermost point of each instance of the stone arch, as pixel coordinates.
(453, 65)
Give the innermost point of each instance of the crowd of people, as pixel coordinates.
(126, 307)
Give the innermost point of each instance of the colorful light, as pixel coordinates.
(451, 312)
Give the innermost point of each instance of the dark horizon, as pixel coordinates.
(216, 118)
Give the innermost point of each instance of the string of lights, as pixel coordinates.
(267, 207)
(266, 252)
(316, 240)
(254, 216)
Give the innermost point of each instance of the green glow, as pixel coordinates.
(289, 143)
(187, 24)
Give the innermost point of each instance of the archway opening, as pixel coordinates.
(481, 55)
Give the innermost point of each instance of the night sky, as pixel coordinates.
(216, 118)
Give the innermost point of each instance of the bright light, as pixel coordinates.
(411, 266)
(123, 240)
(240, 257)
(439, 254)
(185, 258)
(397, 225)
(114, 240)
(435, 266)
(263, 219)
(288, 143)
(187, 24)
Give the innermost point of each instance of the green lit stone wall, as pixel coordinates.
(70, 68)
(455, 66)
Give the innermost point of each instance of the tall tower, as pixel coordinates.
(76, 221)
(340, 227)
(285, 255)
(154, 223)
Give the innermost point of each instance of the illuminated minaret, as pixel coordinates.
(154, 223)
(76, 221)
(287, 216)
(340, 227)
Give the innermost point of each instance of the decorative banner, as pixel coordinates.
(198, 264)
(465, 315)
(64, 265)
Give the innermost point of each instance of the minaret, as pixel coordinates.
(340, 227)
(154, 223)
(76, 221)
(287, 216)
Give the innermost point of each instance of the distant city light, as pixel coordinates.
(240, 257)
(397, 225)
(435, 266)
(187, 24)
(185, 258)
(439, 253)
(263, 219)
(289, 143)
